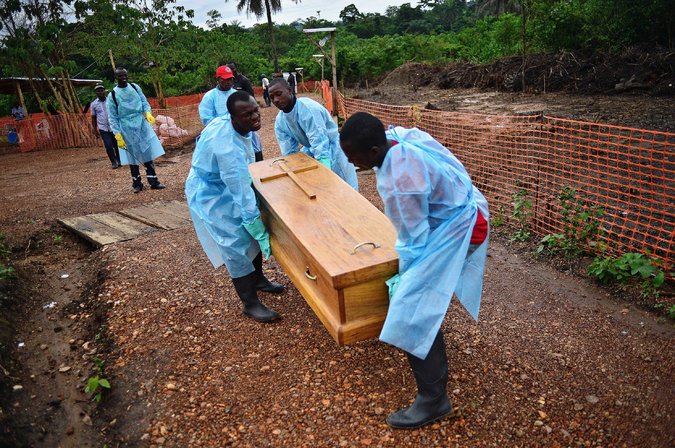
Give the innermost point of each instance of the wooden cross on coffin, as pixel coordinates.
(286, 171)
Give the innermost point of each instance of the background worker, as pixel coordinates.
(223, 204)
(99, 120)
(131, 121)
(306, 122)
(214, 102)
(241, 82)
(266, 90)
(441, 223)
(292, 82)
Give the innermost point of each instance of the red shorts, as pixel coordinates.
(480, 230)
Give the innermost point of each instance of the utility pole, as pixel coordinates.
(332, 42)
(332, 60)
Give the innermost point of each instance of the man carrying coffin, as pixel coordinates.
(223, 204)
(306, 122)
(214, 103)
(441, 224)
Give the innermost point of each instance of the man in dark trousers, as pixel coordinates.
(441, 221)
(292, 82)
(241, 82)
(223, 205)
(131, 121)
(99, 120)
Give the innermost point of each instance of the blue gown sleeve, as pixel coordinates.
(314, 126)
(406, 201)
(206, 108)
(287, 142)
(113, 118)
(144, 100)
(234, 173)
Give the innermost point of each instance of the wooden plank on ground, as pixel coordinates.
(177, 208)
(130, 227)
(154, 217)
(94, 231)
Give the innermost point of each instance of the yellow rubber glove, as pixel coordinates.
(150, 118)
(120, 141)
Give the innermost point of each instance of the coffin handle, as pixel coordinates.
(308, 275)
(366, 243)
(281, 159)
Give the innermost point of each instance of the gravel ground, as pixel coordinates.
(553, 360)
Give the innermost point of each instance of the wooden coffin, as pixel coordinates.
(336, 247)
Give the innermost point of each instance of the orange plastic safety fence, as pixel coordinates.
(177, 125)
(628, 173)
(55, 131)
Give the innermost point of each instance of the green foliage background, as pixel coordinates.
(74, 36)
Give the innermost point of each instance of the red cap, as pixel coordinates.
(224, 72)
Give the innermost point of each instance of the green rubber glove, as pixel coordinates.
(325, 161)
(392, 283)
(258, 231)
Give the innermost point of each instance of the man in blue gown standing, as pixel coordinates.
(131, 121)
(441, 223)
(214, 103)
(223, 204)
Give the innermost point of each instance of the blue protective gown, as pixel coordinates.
(432, 203)
(310, 125)
(214, 104)
(128, 118)
(221, 198)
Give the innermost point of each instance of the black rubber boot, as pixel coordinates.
(136, 182)
(431, 402)
(245, 287)
(262, 284)
(152, 176)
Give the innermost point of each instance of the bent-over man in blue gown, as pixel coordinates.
(306, 122)
(441, 223)
(223, 204)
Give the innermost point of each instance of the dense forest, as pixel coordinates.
(168, 54)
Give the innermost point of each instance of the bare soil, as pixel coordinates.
(562, 86)
(553, 361)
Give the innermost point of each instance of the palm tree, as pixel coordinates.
(258, 8)
(495, 7)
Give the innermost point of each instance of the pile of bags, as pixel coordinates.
(166, 128)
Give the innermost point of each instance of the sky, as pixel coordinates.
(329, 10)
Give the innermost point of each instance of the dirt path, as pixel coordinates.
(552, 362)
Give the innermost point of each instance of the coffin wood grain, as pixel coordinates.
(349, 295)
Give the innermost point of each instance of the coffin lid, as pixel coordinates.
(329, 227)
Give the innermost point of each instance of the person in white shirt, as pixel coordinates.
(99, 120)
(266, 90)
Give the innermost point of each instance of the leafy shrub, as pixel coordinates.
(581, 227)
(629, 266)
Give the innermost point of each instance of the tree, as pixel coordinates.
(264, 7)
(494, 7)
(350, 14)
(36, 41)
(214, 19)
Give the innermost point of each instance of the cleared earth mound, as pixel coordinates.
(653, 73)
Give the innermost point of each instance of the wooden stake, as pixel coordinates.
(112, 61)
(19, 93)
